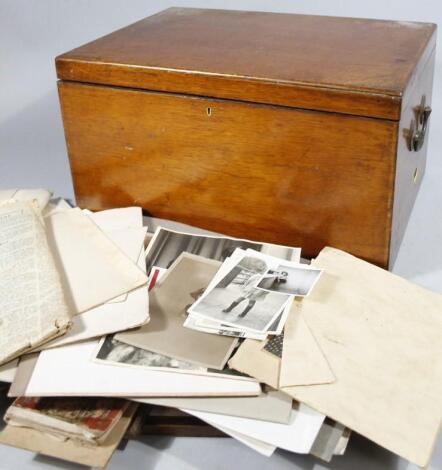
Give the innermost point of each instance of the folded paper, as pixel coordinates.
(382, 338)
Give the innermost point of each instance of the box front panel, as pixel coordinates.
(275, 174)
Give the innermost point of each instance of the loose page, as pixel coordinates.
(8, 370)
(382, 337)
(109, 317)
(303, 362)
(269, 406)
(296, 436)
(33, 307)
(250, 358)
(39, 195)
(69, 371)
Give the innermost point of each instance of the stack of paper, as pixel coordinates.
(240, 334)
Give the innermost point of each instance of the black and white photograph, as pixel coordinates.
(113, 351)
(166, 245)
(236, 301)
(290, 280)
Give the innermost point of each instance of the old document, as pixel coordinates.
(32, 304)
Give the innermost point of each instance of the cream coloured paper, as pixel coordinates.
(109, 317)
(93, 267)
(269, 406)
(302, 360)
(382, 337)
(33, 308)
(40, 196)
(117, 219)
(253, 360)
(8, 370)
(124, 229)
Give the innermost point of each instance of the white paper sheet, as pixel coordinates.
(69, 371)
(94, 269)
(115, 219)
(296, 436)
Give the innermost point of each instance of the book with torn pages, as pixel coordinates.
(86, 420)
(33, 305)
(70, 450)
(185, 279)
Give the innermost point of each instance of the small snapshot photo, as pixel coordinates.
(298, 281)
(236, 301)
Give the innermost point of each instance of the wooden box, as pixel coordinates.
(300, 130)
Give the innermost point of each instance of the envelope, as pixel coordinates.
(303, 362)
(130, 310)
(94, 269)
(382, 337)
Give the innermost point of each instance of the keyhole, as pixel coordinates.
(209, 111)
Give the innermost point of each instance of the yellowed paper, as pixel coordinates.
(8, 370)
(253, 360)
(39, 195)
(302, 360)
(382, 337)
(33, 307)
(93, 268)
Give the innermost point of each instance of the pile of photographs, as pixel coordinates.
(251, 295)
(106, 315)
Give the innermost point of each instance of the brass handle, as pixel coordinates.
(417, 132)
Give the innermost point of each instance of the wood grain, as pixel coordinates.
(300, 178)
(345, 65)
(410, 167)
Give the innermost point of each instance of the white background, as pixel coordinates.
(33, 153)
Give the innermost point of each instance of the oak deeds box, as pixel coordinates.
(299, 130)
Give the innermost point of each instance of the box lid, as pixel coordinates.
(344, 65)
